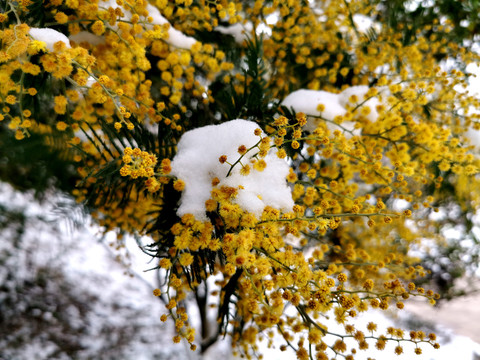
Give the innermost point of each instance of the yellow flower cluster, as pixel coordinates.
(259, 250)
(138, 163)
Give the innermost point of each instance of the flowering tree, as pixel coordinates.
(284, 160)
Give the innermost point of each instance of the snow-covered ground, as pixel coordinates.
(63, 295)
(461, 315)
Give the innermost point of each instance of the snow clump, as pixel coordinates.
(239, 31)
(176, 38)
(307, 101)
(48, 36)
(197, 163)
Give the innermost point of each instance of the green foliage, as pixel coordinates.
(412, 17)
(255, 102)
(32, 165)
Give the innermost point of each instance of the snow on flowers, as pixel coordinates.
(331, 107)
(49, 36)
(209, 153)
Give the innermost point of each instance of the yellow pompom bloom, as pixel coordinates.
(61, 17)
(98, 27)
(11, 99)
(179, 185)
(60, 104)
(61, 126)
(186, 259)
(260, 165)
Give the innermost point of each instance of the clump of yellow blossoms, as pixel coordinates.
(133, 76)
(138, 163)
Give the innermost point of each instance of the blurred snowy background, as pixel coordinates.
(65, 293)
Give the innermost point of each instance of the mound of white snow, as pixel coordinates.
(307, 101)
(48, 36)
(176, 38)
(197, 163)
